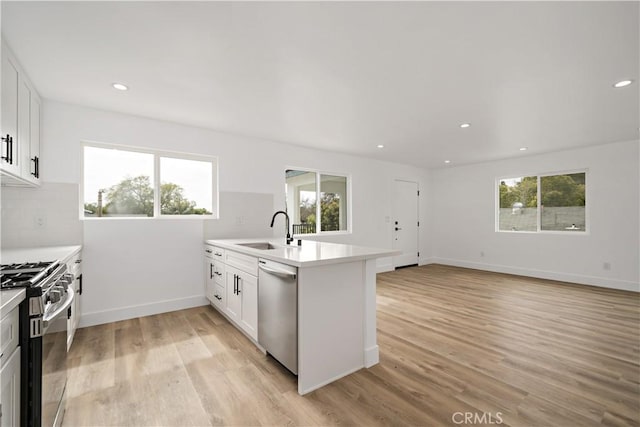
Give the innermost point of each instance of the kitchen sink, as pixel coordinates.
(259, 245)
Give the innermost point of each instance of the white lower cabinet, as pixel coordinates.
(242, 300)
(209, 283)
(232, 287)
(249, 312)
(214, 278)
(10, 372)
(74, 268)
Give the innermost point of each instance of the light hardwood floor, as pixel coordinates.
(523, 351)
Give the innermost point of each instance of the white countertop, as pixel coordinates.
(46, 253)
(310, 254)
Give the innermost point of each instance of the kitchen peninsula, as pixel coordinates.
(336, 301)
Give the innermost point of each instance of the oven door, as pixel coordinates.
(54, 364)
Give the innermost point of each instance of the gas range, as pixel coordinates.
(43, 319)
(46, 285)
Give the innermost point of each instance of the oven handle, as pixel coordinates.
(67, 302)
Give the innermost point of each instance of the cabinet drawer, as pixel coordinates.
(9, 333)
(75, 264)
(246, 263)
(217, 271)
(218, 297)
(214, 252)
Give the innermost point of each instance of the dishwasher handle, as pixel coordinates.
(277, 272)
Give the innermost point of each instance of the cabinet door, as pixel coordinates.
(70, 322)
(30, 138)
(9, 333)
(77, 302)
(9, 150)
(209, 283)
(249, 313)
(233, 305)
(10, 391)
(74, 267)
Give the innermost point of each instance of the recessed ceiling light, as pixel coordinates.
(120, 86)
(623, 83)
(447, 161)
(465, 125)
(523, 149)
(380, 146)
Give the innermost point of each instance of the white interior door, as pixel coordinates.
(405, 222)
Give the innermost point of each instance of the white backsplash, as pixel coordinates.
(45, 216)
(244, 215)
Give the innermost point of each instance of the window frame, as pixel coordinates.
(157, 154)
(587, 228)
(318, 174)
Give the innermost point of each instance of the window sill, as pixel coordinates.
(322, 233)
(548, 232)
(149, 218)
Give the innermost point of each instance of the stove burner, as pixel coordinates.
(25, 274)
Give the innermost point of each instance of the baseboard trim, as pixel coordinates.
(426, 261)
(133, 311)
(602, 282)
(384, 268)
(383, 265)
(371, 356)
(302, 392)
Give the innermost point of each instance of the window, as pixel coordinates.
(312, 195)
(127, 182)
(543, 203)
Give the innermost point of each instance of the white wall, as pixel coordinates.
(462, 219)
(136, 267)
(44, 216)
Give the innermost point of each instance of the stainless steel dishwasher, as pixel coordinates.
(278, 312)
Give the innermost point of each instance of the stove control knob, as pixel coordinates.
(55, 295)
(65, 280)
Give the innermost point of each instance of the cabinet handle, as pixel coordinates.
(235, 283)
(35, 167)
(217, 254)
(7, 139)
(80, 289)
(238, 293)
(210, 271)
(11, 150)
(208, 251)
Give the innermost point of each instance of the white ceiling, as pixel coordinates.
(348, 76)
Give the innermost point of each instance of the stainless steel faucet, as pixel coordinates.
(289, 237)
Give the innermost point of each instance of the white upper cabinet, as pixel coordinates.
(21, 110)
(9, 131)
